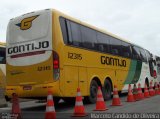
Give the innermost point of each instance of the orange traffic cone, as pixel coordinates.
(130, 97)
(79, 110)
(135, 92)
(156, 89)
(16, 111)
(140, 94)
(146, 93)
(151, 90)
(100, 104)
(50, 110)
(116, 100)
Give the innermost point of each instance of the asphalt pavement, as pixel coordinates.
(148, 107)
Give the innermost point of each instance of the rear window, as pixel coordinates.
(39, 27)
(2, 55)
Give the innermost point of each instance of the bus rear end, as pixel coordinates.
(29, 55)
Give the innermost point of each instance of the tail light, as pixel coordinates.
(56, 69)
(154, 74)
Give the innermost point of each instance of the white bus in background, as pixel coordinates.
(155, 71)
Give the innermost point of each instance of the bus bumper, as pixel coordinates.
(33, 91)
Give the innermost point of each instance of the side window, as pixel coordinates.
(148, 56)
(103, 42)
(71, 32)
(64, 30)
(126, 51)
(88, 38)
(158, 64)
(150, 61)
(136, 53)
(158, 60)
(143, 55)
(154, 61)
(115, 46)
(76, 34)
(2, 56)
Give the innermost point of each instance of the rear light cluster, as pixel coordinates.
(56, 69)
(154, 74)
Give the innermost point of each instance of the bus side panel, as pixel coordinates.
(139, 71)
(75, 72)
(101, 74)
(103, 68)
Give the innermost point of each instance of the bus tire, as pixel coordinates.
(107, 90)
(93, 93)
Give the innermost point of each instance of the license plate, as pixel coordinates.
(27, 87)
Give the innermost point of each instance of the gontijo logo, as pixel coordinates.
(26, 23)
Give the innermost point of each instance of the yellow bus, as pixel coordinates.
(48, 50)
(2, 65)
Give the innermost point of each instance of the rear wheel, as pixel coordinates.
(107, 90)
(93, 92)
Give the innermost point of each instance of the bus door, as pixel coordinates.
(70, 81)
(120, 76)
(75, 77)
(82, 81)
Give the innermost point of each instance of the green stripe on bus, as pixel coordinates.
(137, 72)
(131, 72)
